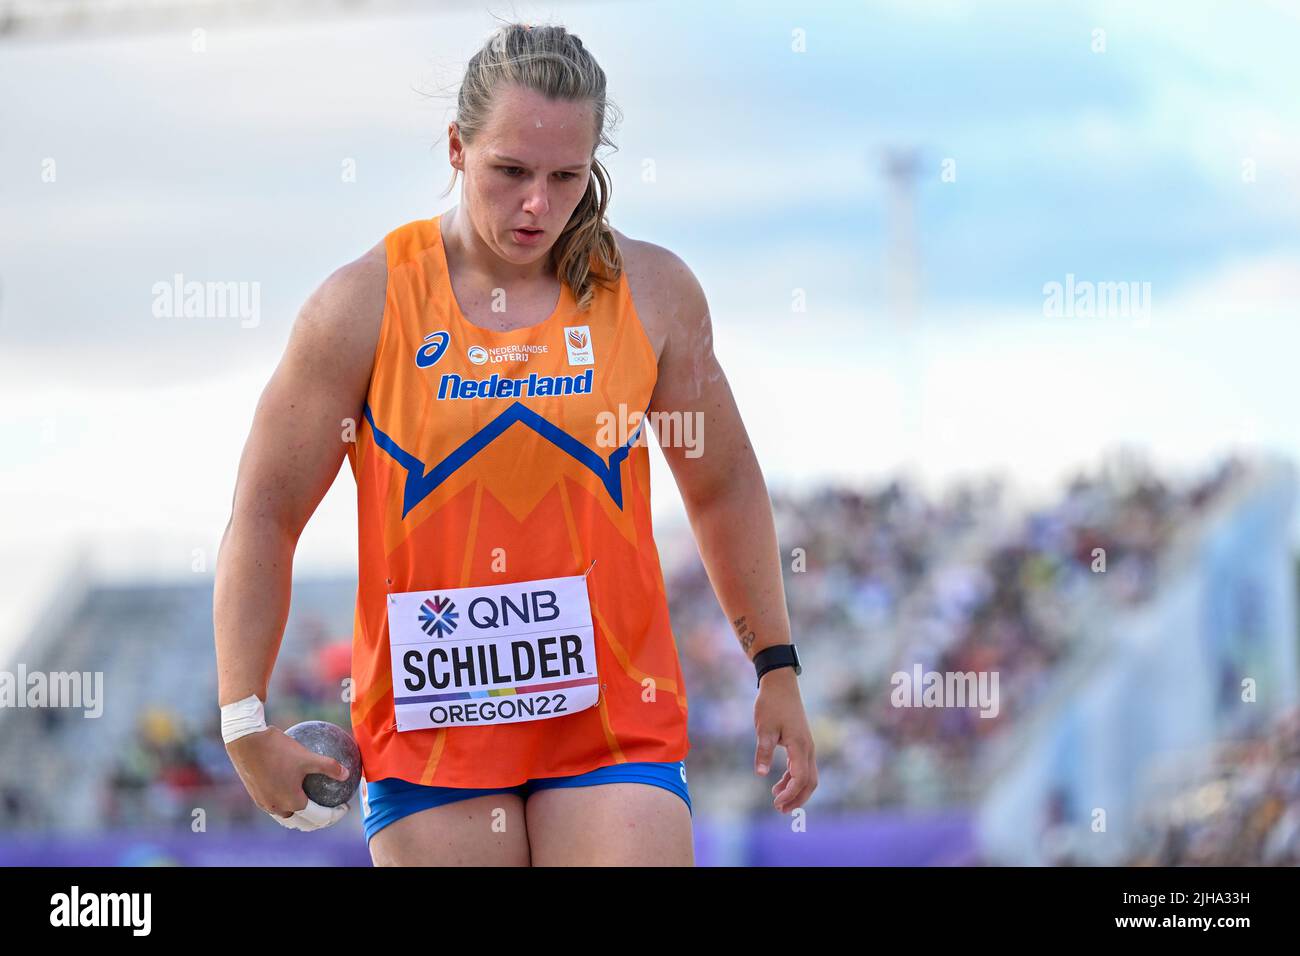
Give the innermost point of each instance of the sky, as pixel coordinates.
(1158, 146)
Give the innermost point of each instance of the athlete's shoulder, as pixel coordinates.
(655, 267)
(347, 308)
(667, 295)
(359, 283)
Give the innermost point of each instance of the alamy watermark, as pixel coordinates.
(208, 300)
(1082, 298)
(673, 429)
(72, 689)
(129, 910)
(947, 689)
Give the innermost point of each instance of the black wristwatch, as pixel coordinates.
(778, 655)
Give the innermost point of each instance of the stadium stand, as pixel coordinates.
(877, 580)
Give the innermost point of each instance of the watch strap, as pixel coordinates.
(778, 655)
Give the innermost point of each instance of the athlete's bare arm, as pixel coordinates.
(720, 479)
(726, 500)
(292, 455)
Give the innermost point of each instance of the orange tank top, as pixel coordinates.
(484, 459)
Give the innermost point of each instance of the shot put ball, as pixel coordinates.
(329, 740)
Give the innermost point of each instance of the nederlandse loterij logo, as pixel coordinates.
(477, 354)
(431, 351)
(438, 614)
(577, 340)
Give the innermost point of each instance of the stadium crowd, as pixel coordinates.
(173, 766)
(877, 581)
(1243, 809)
(891, 581)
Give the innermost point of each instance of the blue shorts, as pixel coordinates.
(387, 801)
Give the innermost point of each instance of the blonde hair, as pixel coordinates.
(553, 62)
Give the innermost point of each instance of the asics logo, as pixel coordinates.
(433, 349)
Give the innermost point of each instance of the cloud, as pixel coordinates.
(1263, 284)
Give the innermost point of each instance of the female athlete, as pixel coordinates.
(489, 374)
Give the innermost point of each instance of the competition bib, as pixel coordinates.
(500, 654)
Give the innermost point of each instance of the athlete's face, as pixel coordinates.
(527, 170)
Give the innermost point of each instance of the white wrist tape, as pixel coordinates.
(313, 816)
(242, 718)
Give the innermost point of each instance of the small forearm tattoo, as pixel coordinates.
(745, 633)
